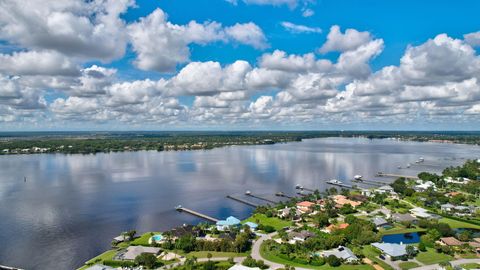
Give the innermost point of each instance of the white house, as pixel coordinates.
(420, 212)
(421, 187)
(341, 252)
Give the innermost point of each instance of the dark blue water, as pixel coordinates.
(405, 238)
(72, 205)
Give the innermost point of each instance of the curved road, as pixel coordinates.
(256, 253)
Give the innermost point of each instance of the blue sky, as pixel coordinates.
(149, 61)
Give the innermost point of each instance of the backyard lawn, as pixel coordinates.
(458, 224)
(431, 257)
(408, 265)
(276, 223)
(143, 239)
(107, 255)
(400, 229)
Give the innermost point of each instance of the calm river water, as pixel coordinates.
(71, 206)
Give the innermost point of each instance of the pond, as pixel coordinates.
(405, 238)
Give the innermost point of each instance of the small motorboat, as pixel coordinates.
(358, 177)
(335, 182)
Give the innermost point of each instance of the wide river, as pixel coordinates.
(71, 206)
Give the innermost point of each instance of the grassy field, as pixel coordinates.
(107, 255)
(400, 229)
(431, 257)
(470, 266)
(272, 221)
(143, 239)
(458, 224)
(408, 265)
(371, 253)
(271, 257)
(203, 254)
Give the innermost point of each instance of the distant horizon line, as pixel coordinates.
(245, 130)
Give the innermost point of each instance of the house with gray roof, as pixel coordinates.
(133, 251)
(380, 222)
(342, 253)
(397, 217)
(391, 250)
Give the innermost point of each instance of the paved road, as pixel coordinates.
(453, 263)
(256, 253)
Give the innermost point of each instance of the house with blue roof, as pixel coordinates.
(253, 226)
(231, 221)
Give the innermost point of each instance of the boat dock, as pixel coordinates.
(281, 194)
(381, 174)
(243, 201)
(372, 182)
(260, 198)
(341, 185)
(195, 213)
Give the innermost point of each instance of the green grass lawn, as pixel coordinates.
(458, 224)
(271, 257)
(203, 254)
(400, 229)
(143, 239)
(408, 265)
(371, 253)
(107, 255)
(272, 221)
(468, 255)
(470, 266)
(431, 257)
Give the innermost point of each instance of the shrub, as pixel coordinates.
(333, 261)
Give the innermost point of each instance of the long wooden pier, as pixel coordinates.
(381, 174)
(281, 194)
(243, 201)
(371, 182)
(195, 213)
(342, 185)
(261, 198)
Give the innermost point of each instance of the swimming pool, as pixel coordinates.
(157, 237)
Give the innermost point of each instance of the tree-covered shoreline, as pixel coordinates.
(97, 142)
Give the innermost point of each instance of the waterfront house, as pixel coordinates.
(391, 250)
(458, 180)
(341, 200)
(424, 186)
(305, 206)
(300, 236)
(397, 217)
(380, 222)
(385, 190)
(231, 221)
(286, 213)
(342, 253)
(253, 226)
(186, 229)
(366, 192)
(133, 251)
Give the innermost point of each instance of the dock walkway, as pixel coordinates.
(195, 213)
(243, 201)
